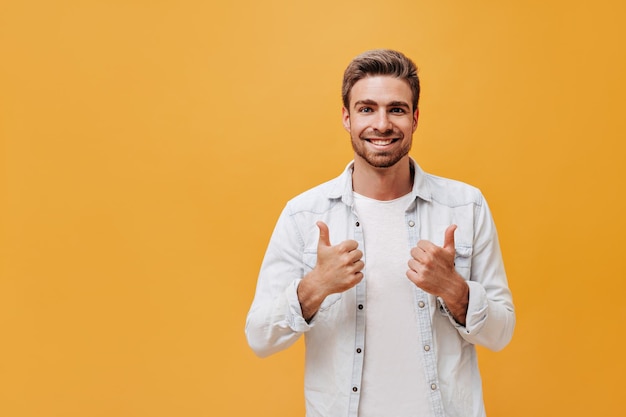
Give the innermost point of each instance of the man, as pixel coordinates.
(393, 275)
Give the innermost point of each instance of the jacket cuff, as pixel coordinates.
(295, 320)
(476, 309)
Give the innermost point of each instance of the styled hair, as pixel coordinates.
(380, 62)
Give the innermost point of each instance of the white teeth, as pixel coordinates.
(381, 142)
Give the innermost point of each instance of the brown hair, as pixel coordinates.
(380, 62)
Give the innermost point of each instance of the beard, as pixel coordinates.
(381, 159)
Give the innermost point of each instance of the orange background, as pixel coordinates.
(149, 146)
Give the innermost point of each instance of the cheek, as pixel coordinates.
(354, 127)
(408, 127)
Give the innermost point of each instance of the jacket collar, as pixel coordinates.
(342, 187)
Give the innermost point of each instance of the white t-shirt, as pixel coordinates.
(393, 373)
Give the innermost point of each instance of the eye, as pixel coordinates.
(399, 110)
(365, 110)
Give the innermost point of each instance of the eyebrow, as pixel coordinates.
(399, 104)
(370, 102)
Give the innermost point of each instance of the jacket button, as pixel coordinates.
(360, 307)
(354, 389)
(421, 304)
(433, 386)
(411, 223)
(358, 350)
(357, 224)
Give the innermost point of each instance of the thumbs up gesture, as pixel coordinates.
(431, 268)
(337, 270)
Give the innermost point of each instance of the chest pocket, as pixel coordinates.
(310, 260)
(463, 260)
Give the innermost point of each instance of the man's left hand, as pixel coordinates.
(431, 268)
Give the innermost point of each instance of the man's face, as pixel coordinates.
(380, 120)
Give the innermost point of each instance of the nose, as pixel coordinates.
(382, 123)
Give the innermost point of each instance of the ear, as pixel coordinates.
(415, 117)
(345, 118)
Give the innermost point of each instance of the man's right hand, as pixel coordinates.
(337, 270)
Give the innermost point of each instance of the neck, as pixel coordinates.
(382, 183)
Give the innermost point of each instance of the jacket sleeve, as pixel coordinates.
(275, 320)
(490, 318)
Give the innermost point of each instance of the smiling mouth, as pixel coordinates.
(381, 142)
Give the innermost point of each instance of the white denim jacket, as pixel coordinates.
(335, 336)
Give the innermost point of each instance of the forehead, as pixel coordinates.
(381, 89)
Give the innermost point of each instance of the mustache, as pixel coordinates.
(381, 135)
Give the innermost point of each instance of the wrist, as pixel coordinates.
(457, 301)
(309, 296)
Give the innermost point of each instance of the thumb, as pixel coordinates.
(324, 238)
(448, 240)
